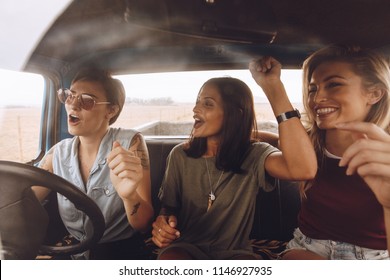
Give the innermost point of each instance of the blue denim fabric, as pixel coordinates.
(335, 250)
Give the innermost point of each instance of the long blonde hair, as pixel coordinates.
(374, 72)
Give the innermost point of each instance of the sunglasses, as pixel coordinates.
(86, 101)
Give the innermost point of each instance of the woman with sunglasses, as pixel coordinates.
(110, 165)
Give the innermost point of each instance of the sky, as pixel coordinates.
(185, 86)
(26, 89)
(18, 88)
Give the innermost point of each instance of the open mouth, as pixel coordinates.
(198, 122)
(73, 119)
(325, 111)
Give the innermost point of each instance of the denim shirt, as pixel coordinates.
(98, 187)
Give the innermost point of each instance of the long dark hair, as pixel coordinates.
(238, 125)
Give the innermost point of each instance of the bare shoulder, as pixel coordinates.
(47, 164)
(47, 161)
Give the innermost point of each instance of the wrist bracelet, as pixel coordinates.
(288, 115)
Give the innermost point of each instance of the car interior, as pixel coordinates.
(148, 36)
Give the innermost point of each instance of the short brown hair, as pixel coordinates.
(114, 90)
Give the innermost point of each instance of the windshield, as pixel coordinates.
(161, 103)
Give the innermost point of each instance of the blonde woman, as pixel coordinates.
(344, 208)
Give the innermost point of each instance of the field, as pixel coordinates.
(19, 127)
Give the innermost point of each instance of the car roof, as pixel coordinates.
(130, 36)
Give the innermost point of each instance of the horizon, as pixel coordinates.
(26, 89)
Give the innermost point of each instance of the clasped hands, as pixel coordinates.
(164, 230)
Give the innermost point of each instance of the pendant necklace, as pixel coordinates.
(211, 196)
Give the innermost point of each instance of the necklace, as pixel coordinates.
(211, 196)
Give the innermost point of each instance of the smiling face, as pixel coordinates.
(336, 94)
(88, 123)
(208, 112)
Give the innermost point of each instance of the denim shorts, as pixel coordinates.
(335, 250)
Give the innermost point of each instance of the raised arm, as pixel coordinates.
(369, 156)
(130, 175)
(297, 160)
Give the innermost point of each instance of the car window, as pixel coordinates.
(161, 103)
(158, 104)
(20, 115)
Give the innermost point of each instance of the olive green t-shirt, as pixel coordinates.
(223, 231)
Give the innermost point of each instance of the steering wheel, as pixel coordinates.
(23, 220)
